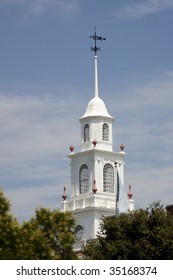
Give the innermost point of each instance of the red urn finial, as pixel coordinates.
(94, 189)
(129, 193)
(64, 196)
(122, 147)
(94, 142)
(71, 148)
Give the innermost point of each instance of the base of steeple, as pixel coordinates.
(88, 223)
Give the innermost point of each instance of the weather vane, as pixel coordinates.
(96, 38)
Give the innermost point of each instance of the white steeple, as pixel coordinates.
(97, 172)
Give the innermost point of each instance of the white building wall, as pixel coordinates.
(90, 220)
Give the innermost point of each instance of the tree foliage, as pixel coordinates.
(47, 235)
(8, 229)
(143, 234)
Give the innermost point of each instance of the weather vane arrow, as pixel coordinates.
(95, 37)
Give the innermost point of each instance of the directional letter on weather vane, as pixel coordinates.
(95, 37)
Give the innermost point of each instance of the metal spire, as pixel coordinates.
(95, 37)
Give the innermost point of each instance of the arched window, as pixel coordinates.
(108, 178)
(105, 132)
(83, 179)
(86, 132)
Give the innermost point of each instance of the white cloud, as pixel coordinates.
(34, 138)
(149, 185)
(24, 201)
(67, 8)
(144, 8)
(34, 122)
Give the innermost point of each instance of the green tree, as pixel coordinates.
(142, 234)
(47, 235)
(9, 229)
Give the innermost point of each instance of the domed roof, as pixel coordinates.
(96, 107)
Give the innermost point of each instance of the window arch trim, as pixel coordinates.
(86, 132)
(83, 179)
(105, 132)
(108, 178)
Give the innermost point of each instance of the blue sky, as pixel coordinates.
(47, 79)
